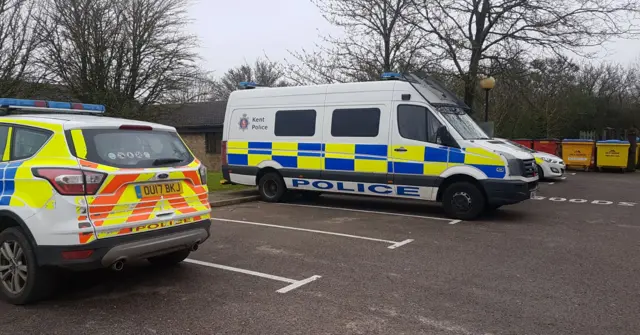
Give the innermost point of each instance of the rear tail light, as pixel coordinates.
(223, 152)
(71, 181)
(203, 174)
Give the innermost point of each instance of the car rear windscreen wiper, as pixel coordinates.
(163, 161)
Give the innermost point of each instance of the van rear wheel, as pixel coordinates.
(271, 187)
(463, 201)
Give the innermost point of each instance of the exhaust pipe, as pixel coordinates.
(118, 265)
(195, 246)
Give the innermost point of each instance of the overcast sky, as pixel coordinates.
(234, 31)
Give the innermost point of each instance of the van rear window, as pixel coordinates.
(131, 148)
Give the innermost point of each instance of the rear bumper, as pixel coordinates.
(507, 192)
(128, 247)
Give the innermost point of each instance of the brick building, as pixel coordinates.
(199, 124)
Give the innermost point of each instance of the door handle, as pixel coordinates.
(401, 149)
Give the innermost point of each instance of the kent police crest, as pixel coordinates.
(244, 122)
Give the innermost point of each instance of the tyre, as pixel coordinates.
(463, 201)
(491, 208)
(540, 173)
(170, 259)
(271, 187)
(22, 281)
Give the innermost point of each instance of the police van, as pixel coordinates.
(404, 136)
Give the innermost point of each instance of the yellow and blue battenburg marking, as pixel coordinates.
(374, 158)
(7, 183)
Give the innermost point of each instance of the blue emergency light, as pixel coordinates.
(50, 106)
(391, 76)
(246, 85)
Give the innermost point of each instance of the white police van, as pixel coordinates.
(404, 137)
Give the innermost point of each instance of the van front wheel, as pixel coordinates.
(463, 201)
(271, 187)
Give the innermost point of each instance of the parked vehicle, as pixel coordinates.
(402, 137)
(548, 165)
(85, 191)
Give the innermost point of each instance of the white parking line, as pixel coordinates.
(551, 183)
(293, 284)
(563, 178)
(372, 212)
(394, 244)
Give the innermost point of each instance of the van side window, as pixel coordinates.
(4, 133)
(357, 122)
(417, 123)
(295, 123)
(27, 141)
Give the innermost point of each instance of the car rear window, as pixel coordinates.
(132, 148)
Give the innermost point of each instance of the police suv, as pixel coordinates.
(82, 191)
(405, 136)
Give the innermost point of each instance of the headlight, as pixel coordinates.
(203, 174)
(515, 167)
(548, 160)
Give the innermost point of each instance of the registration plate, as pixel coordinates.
(154, 190)
(532, 195)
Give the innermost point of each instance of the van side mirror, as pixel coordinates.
(443, 137)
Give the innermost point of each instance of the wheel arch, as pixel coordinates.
(9, 219)
(459, 178)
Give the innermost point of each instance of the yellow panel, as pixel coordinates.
(366, 165)
(414, 153)
(482, 157)
(344, 156)
(254, 160)
(288, 146)
(79, 143)
(238, 144)
(238, 151)
(434, 168)
(7, 147)
(310, 163)
(284, 153)
(340, 148)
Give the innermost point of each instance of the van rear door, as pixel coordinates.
(138, 179)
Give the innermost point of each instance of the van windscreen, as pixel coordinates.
(132, 148)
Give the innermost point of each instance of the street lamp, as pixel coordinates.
(487, 85)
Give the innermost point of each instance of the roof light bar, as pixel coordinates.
(50, 106)
(247, 85)
(391, 76)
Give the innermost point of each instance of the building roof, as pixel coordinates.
(190, 115)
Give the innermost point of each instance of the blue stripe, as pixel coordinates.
(259, 145)
(408, 168)
(287, 161)
(260, 152)
(372, 158)
(309, 147)
(15, 164)
(5, 200)
(456, 156)
(238, 159)
(435, 155)
(390, 167)
(371, 149)
(491, 170)
(339, 164)
(309, 154)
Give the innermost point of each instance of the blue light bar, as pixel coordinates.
(57, 106)
(247, 84)
(391, 75)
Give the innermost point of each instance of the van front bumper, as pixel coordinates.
(107, 251)
(508, 192)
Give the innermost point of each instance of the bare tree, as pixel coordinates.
(17, 45)
(123, 53)
(471, 32)
(198, 87)
(376, 40)
(264, 73)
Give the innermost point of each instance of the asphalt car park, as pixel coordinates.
(351, 265)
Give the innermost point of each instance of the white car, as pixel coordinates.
(549, 166)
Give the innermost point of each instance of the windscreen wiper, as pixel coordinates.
(163, 161)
